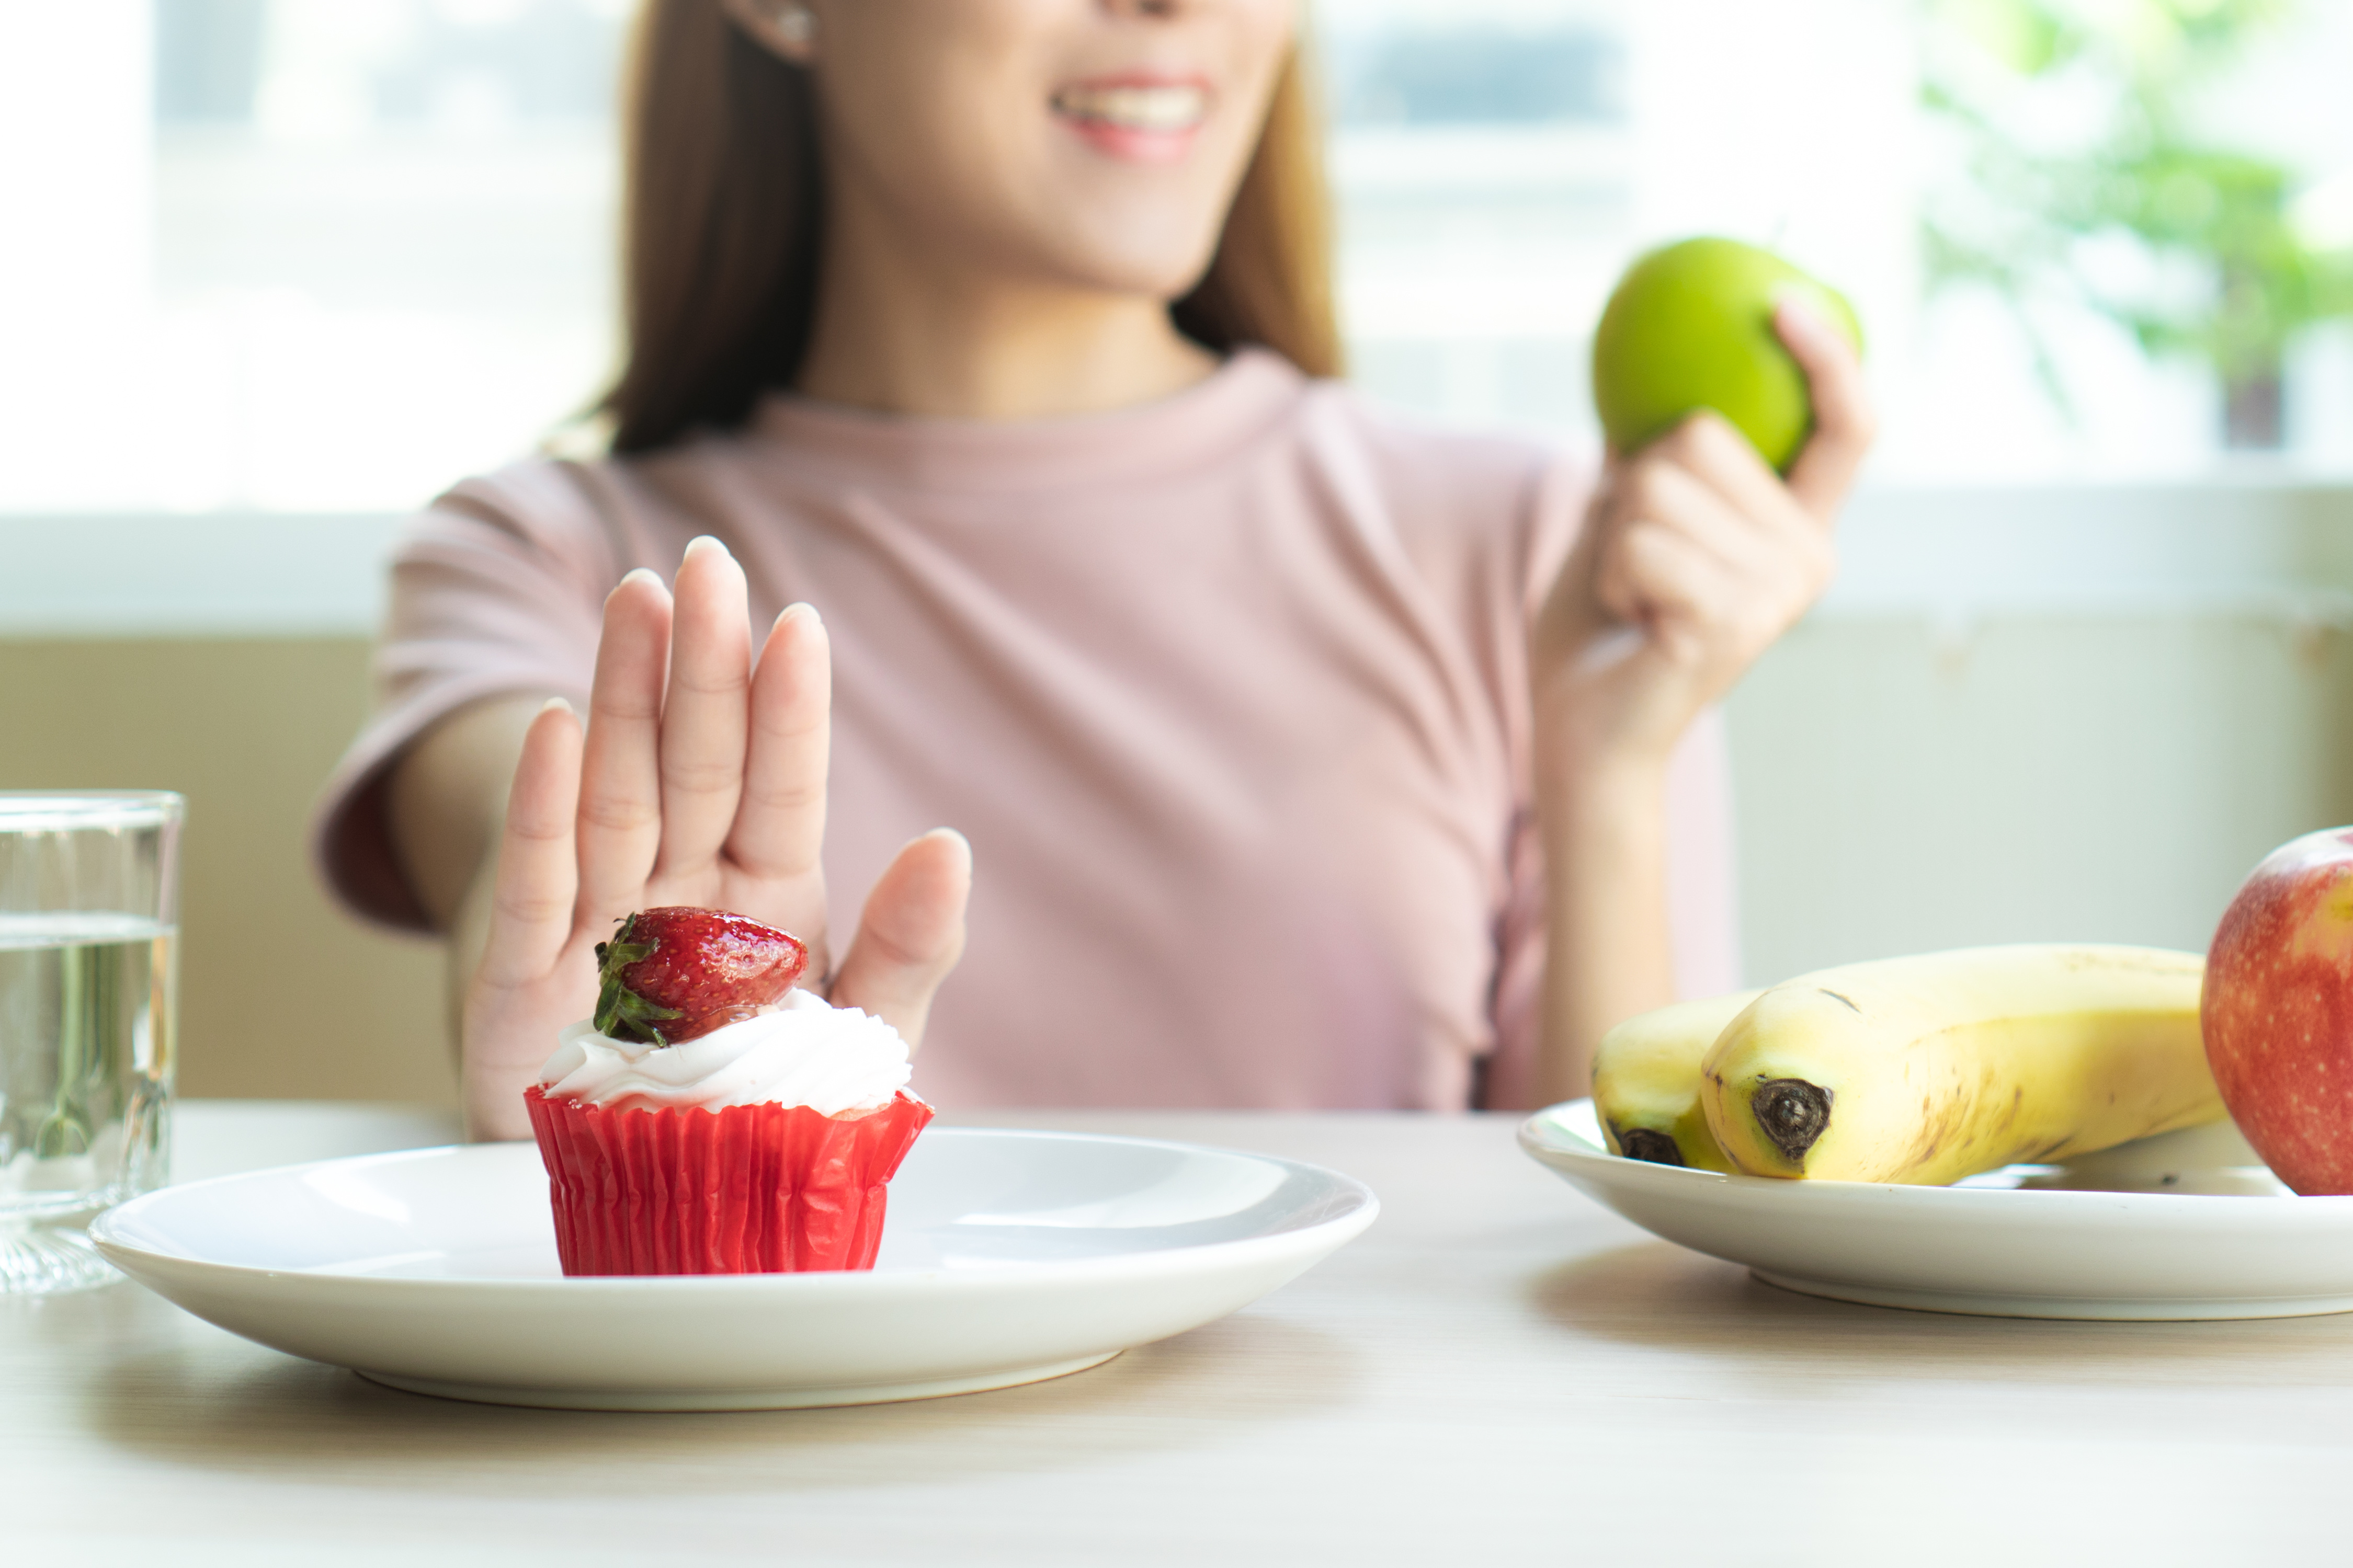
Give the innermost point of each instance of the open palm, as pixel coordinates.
(700, 780)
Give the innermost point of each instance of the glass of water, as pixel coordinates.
(89, 988)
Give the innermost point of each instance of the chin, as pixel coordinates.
(1148, 276)
(1163, 261)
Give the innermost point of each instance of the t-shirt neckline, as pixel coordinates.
(1234, 405)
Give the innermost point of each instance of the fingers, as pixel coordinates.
(1662, 494)
(779, 827)
(1697, 543)
(1705, 482)
(620, 778)
(1687, 597)
(1844, 424)
(705, 712)
(910, 935)
(1707, 447)
(534, 886)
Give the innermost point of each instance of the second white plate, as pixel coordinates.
(1009, 1256)
(2189, 1225)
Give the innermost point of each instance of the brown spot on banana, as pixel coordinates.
(1651, 1144)
(1791, 1112)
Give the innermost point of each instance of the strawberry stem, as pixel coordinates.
(621, 1014)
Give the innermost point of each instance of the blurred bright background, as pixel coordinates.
(327, 254)
(276, 271)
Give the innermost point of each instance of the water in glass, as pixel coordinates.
(87, 1010)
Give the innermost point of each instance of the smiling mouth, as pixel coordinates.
(1154, 110)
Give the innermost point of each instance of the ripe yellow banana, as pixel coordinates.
(1927, 1069)
(1646, 1082)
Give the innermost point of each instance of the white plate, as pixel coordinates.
(1008, 1256)
(2188, 1224)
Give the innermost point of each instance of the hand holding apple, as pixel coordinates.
(1692, 326)
(1695, 556)
(2278, 1011)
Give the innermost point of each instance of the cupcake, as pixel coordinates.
(710, 1119)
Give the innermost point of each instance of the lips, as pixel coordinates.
(1145, 120)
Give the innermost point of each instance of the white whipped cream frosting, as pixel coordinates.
(835, 1060)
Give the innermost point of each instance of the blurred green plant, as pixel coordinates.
(2078, 170)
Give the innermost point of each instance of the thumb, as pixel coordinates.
(911, 934)
(1844, 424)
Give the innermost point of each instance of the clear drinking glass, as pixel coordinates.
(88, 993)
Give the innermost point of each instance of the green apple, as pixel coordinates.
(1691, 326)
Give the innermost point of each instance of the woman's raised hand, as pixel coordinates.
(1694, 558)
(700, 780)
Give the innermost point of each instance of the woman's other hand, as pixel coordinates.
(1694, 558)
(700, 781)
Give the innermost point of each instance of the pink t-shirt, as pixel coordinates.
(1228, 693)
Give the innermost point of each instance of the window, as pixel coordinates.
(327, 255)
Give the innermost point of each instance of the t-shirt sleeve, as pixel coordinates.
(1702, 907)
(497, 590)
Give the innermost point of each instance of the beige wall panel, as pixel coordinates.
(281, 995)
(2066, 775)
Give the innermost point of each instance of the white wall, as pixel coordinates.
(2052, 714)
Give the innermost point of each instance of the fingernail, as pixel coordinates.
(702, 543)
(1799, 311)
(800, 607)
(556, 705)
(642, 574)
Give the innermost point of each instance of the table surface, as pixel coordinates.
(1499, 1367)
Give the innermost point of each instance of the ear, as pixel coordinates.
(785, 28)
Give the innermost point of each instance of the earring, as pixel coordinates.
(795, 23)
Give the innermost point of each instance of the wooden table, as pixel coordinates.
(1498, 1369)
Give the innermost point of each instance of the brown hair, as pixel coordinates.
(720, 229)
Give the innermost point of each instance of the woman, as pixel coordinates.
(1311, 759)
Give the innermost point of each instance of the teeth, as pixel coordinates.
(1136, 108)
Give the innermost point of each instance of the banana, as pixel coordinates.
(1646, 1082)
(1927, 1069)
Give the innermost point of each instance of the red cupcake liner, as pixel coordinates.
(747, 1189)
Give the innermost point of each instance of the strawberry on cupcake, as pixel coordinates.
(708, 1118)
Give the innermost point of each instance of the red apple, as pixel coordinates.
(2278, 1011)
